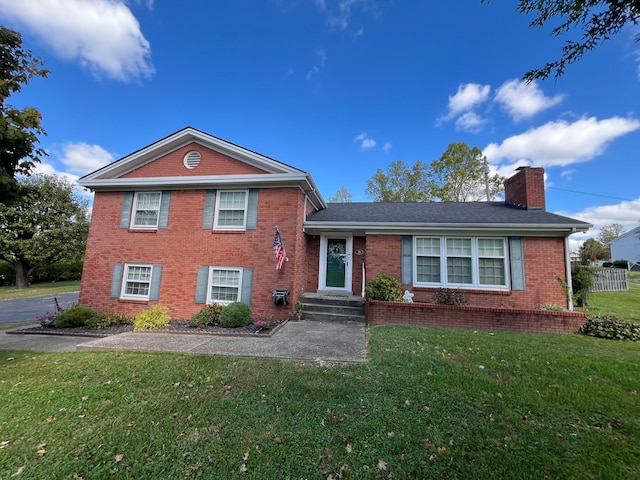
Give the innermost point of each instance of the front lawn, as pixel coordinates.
(10, 292)
(430, 403)
(624, 305)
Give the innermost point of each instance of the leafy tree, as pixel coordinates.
(19, 128)
(343, 195)
(400, 183)
(609, 232)
(46, 224)
(459, 175)
(597, 21)
(592, 250)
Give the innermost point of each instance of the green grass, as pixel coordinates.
(10, 293)
(430, 403)
(624, 305)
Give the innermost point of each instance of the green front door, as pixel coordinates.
(336, 266)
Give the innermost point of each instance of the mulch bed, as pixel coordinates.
(175, 326)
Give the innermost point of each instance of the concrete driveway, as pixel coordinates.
(304, 340)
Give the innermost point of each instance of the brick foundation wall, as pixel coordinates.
(477, 318)
(184, 246)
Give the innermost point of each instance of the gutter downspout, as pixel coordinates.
(567, 266)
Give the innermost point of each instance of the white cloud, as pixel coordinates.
(387, 146)
(103, 35)
(521, 100)
(626, 213)
(312, 72)
(359, 32)
(467, 97)
(470, 122)
(81, 158)
(560, 143)
(365, 142)
(322, 55)
(339, 15)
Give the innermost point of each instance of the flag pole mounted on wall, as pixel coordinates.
(278, 249)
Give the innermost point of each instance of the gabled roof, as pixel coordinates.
(429, 216)
(112, 176)
(630, 233)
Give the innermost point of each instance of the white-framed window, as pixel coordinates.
(146, 210)
(224, 285)
(231, 210)
(462, 262)
(136, 281)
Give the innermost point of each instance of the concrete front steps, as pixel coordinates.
(332, 307)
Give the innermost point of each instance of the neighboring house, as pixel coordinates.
(627, 247)
(191, 218)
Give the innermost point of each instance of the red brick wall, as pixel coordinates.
(211, 163)
(544, 260)
(482, 318)
(526, 188)
(184, 246)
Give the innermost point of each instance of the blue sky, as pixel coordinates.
(337, 88)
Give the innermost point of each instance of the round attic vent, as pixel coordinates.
(192, 159)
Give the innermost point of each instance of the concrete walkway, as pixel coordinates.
(304, 340)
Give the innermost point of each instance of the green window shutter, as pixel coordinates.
(125, 216)
(209, 209)
(252, 209)
(154, 289)
(407, 260)
(164, 209)
(247, 282)
(201, 284)
(116, 280)
(516, 259)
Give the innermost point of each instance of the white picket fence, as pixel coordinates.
(610, 280)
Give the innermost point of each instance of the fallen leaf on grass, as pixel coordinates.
(245, 457)
(349, 448)
(42, 452)
(51, 419)
(243, 468)
(20, 470)
(382, 465)
(4, 443)
(119, 457)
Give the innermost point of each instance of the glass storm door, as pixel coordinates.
(335, 263)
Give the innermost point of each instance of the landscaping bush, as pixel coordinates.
(236, 314)
(209, 315)
(583, 278)
(108, 319)
(58, 272)
(75, 317)
(384, 287)
(621, 264)
(608, 326)
(7, 274)
(447, 296)
(156, 317)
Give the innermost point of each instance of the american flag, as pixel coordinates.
(278, 249)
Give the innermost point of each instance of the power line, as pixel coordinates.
(594, 194)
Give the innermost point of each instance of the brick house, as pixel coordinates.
(191, 218)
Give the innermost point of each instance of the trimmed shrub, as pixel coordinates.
(447, 296)
(209, 315)
(156, 317)
(108, 319)
(384, 287)
(75, 317)
(621, 264)
(610, 327)
(236, 314)
(583, 278)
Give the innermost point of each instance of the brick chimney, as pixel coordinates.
(526, 189)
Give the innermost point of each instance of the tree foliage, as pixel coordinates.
(400, 183)
(343, 195)
(47, 224)
(609, 232)
(19, 128)
(592, 250)
(459, 175)
(597, 21)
